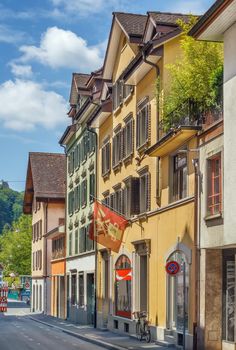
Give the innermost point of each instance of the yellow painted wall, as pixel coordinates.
(166, 224)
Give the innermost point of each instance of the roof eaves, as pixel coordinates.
(209, 16)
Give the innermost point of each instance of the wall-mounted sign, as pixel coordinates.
(172, 268)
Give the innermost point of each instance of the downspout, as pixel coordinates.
(65, 275)
(157, 69)
(95, 242)
(197, 203)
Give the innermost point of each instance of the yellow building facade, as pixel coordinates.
(148, 176)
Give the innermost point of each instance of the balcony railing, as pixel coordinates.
(58, 254)
(191, 114)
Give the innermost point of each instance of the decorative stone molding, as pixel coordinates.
(142, 247)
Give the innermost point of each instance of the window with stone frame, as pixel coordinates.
(179, 176)
(117, 147)
(84, 193)
(117, 199)
(128, 136)
(70, 244)
(144, 191)
(91, 187)
(106, 199)
(71, 202)
(214, 185)
(131, 198)
(143, 123)
(77, 198)
(76, 241)
(106, 157)
(73, 289)
(81, 289)
(77, 157)
(85, 243)
(71, 162)
(120, 91)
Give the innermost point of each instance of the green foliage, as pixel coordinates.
(196, 75)
(15, 247)
(10, 206)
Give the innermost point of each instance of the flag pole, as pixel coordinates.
(115, 211)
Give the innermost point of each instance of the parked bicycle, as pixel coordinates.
(142, 326)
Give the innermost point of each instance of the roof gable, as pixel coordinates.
(46, 176)
(78, 85)
(132, 26)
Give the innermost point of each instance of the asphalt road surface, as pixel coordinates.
(19, 332)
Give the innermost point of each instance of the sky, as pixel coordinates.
(42, 42)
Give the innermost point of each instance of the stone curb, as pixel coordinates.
(82, 337)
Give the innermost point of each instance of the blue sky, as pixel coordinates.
(41, 43)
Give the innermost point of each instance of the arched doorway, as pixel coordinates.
(175, 294)
(123, 286)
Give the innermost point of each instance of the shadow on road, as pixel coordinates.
(17, 305)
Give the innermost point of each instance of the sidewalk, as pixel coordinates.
(106, 339)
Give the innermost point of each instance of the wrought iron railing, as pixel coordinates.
(191, 114)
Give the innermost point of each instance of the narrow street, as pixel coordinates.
(18, 331)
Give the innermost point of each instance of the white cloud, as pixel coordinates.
(10, 36)
(27, 105)
(20, 70)
(63, 48)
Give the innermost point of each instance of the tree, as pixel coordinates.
(10, 206)
(15, 246)
(194, 76)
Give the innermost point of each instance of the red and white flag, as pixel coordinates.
(107, 227)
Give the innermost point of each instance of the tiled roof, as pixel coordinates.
(167, 17)
(79, 81)
(48, 173)
(133, 24)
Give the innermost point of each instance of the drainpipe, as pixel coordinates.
(158, 134)
(65, 311)
(197, 203)
(95, 242)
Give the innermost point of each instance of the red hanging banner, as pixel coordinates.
(107, 227)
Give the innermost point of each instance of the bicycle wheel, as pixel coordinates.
(138, 331)
(147, 334)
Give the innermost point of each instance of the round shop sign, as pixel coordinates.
(27, 285)
(172, 268)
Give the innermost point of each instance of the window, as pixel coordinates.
(82, 239)
(71, 162)
(117, 201)
(92, 142)
(117, 147)
(40, 229)
(85, 243)
(77, 198)
(214, 195)
(143, 124)
(106, 158)
(70, 244)
(144, 192)
(131, 197)
(84, 193)
(71, 202)
(76, 242)
(123, 286)
(119, 92)
(81, 289)
(180, 177)
(91, 187)
(77, 157)
(128, 146)
(73, 289)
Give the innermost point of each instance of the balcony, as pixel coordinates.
(182, 124)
